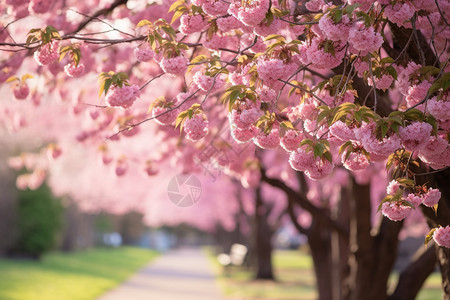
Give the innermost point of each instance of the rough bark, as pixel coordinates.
(412, 277)
(304, 203)
(263, 240)
(319, 239)
(440, 218)
(8, 208)
(372, 252)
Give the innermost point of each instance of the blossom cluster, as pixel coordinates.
(398, 210)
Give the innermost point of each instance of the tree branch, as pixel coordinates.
(305, 204)
(99, 13)
(412, 278)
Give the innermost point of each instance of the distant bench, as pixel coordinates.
(236, 257)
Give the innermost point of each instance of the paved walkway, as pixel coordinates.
(182, 274)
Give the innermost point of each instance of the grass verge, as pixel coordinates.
(295, 280)
(70, 276)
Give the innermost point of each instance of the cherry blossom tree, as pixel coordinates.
(331, 91)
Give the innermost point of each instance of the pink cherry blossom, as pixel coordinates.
(435, 146)
(53, 152)
(36, 179)
(175, 65)
(381, 148)
(291, 140)
(249, 116)
(341, 130)
(395, 211)
(47, 53)
(316, 55)
(399, 13)
(439, 109)
(333, 31)
(21, 91)
(207, 83)
(319, 169)
(74, 71)
(442, 236)
(196, 128)
(251, 13)
(143, 54)
(166, 115)
(228, 23)
(417, 93)
(301, 160)
(315, 5)
(264, 30)
(355, 161)
(39, 6)
(415, 136)
(191, 24)
(414, 199)
(268, 141)
(270, 70)
(242, 135)
(150, 169)
(382, 83)
(215, 8)
(392, 187)
(121, 168)
(123, 97)
(216, 42)
(432, 197)
(364, 40)
(266, 94)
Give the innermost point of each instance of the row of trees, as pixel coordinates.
(326, 102)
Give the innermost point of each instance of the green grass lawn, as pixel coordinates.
(70, 276)
(295, 280)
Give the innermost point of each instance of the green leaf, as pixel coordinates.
(392, 71)
(384, 129)
(176, 4)
(339, 115)
(12, 78)
(180, 119)
(406, 182)
(26, 76)
(429, 236)
(414, 115)
(433, 122)
(307, 142)
(176, 15)
(287, 125)
(429, 70)
(274, 36)
(328, 156)
(387, 60)
(337, 16)
(350, 8)
(107, 85)
(388, 198)
(366, 17)
(344, 146)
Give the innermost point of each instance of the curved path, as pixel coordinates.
(183, 274)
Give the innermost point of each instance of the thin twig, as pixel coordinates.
(149, 81)
(131, 126)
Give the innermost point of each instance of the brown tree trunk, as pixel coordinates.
(319, 239)
(440, 218)
(412, 277)
(262, 240)
(372, 254)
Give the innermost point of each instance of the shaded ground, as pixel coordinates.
(295, 280)
(179, 274)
